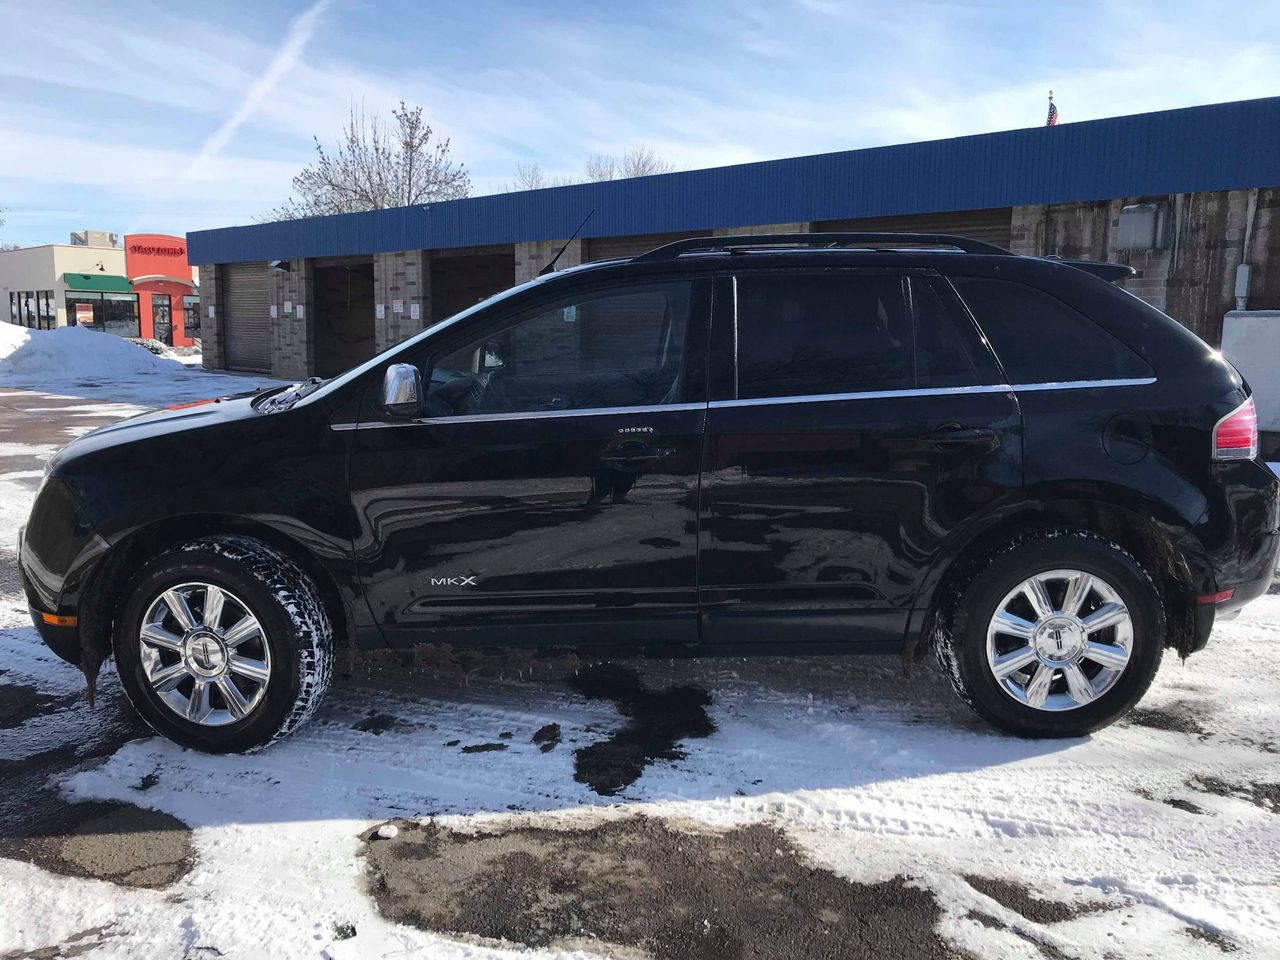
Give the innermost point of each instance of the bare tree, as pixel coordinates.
(530, 176)
(600, 167)
(641, 161)
(3, 245)
(376, 167)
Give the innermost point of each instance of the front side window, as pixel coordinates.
(616, 348)
(1039, 339)
(821, 333)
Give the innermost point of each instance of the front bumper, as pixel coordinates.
(62, 640)
(59, 636)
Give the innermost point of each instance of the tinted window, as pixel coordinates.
(819, 333)
(949, 349)
(1039, 339)
(618, 348)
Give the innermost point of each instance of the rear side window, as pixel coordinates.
(813, 334)
(1039, 339)
(819, 333)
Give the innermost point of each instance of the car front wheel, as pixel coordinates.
(1057, 635)
(224, 645)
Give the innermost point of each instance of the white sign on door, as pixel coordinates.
(380, 311)
(415, 311)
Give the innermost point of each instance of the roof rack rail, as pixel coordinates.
(671, 251)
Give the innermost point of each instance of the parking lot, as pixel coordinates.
(826, 807)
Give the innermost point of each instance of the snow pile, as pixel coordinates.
(75, 352)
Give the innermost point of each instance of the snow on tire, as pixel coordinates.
(224, 644)
(1058, 633)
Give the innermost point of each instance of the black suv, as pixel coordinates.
(811, 443)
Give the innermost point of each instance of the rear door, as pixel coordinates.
(552, 481)
(857, 419)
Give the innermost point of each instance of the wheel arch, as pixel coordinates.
(1155, 535)
(104, 591)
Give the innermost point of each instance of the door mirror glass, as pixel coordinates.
(402, 390)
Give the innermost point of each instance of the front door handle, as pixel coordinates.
(959, 436)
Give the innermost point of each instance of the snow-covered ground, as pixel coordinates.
(872, 775)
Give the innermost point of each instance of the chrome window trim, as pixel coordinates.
(529, 415)
(1085, 384)
(755, 402)
(936, 392)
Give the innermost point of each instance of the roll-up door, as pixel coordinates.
(621, 248)
(991, 225)
(247, 317)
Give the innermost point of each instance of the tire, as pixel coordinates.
(227, 685)
(976, 647)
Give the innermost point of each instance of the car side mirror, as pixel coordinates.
(402, 390)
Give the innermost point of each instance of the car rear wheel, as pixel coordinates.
(1058, 635)
(224, 645)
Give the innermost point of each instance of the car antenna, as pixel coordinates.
(552, 265)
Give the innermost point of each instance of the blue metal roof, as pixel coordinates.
(1219, 147)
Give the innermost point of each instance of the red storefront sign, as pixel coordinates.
(157, 267)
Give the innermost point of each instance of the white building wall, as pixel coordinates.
(41, 268)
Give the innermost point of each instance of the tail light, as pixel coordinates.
(1235, 437)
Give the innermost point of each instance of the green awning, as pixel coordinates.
(97, 282)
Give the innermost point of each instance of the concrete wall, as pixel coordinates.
(403, 276)
(1194, 278)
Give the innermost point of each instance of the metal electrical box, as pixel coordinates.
(1143, 226)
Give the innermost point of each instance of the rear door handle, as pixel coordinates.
(637, 454)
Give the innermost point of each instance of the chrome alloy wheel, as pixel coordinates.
(204, 654)
(1059, 640)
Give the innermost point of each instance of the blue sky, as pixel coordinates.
(169, 117)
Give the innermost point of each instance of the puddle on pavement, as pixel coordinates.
(106, 840)
(638, 884)
(657, 720)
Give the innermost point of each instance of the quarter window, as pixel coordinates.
(1039, 339)
(617, 348)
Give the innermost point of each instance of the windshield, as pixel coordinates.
(316, 387)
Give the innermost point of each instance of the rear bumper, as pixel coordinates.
(1209, 614)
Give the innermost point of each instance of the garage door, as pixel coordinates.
(620, 248)
(989, 225)
(247, 317)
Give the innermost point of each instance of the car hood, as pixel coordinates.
(159, 423)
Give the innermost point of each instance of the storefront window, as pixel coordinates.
(13, 307)
(120, 314)
(191, 316)
(48, 310)
(28, 308)
(76, 315)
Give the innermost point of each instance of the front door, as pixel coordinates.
(552, 479)
(161, 318)
(857, 419)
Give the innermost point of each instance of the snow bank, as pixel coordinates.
(75, 352)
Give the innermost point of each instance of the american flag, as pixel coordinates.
(1052, 120)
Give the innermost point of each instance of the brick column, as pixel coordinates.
(532, 257)
(405, 276)
(293, 343)
(212, 343)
